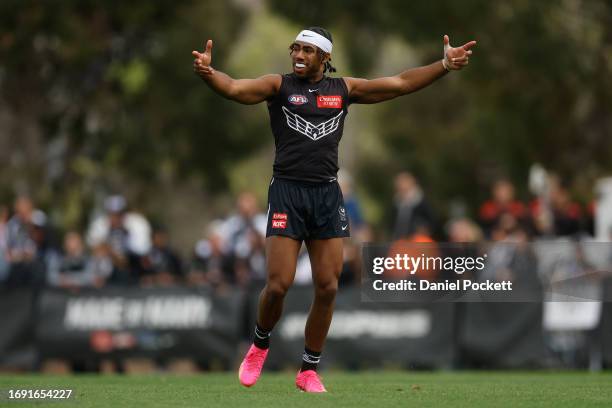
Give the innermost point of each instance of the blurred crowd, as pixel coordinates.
(121, 247)
(550, 214)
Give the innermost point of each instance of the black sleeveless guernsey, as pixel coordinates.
(307, 121)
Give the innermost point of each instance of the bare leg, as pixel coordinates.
(326, 262)
(281, 258)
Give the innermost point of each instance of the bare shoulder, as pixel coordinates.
(352, 82)
(273, 80)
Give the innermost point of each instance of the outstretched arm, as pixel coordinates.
(247, 91)
(382, 89)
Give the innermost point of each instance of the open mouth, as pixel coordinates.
(299, 65)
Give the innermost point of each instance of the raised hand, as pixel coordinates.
(201, 63)
(457, 58)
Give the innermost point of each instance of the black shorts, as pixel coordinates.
(306, 211)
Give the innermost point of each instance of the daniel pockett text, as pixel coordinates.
(415, 266)
(405, 271)
(543, 270)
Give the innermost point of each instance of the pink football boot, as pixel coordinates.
(309, 381)
(250, 368)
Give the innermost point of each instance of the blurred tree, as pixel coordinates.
(98, 96)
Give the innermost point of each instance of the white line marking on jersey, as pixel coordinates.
(314, 132)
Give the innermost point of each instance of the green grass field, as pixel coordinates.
(364, 389)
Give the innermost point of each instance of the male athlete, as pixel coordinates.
(307, 111)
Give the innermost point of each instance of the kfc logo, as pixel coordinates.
(279, 224)
(279, 220)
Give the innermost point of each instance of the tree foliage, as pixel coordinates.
(533, 92)
(101, 96)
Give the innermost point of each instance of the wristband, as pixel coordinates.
(445, 64)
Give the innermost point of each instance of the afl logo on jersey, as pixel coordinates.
(298, 99)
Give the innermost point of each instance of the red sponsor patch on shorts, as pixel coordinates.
(279, 224)
(329, 101)
(279, 220)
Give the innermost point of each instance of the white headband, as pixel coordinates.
(316, 39)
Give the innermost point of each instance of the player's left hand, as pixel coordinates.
(201, 63)
(457, 58)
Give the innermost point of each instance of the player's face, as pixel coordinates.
(306, 59)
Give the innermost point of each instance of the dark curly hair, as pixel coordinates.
(326, 34)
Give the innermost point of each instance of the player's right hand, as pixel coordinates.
(456, 58)
(201, 63)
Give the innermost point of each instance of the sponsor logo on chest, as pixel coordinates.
(329, 101)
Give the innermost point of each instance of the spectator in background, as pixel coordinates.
(464, 235)
(162, 264)
(351, 259)
(76, 268)
(510, 257)
(419, 243)
(101, 265)
(211, 266)
(360, 232)
(501, 204)
(411, 209)
(20, 247)
(351, 202)
(556, 214)
(463, 230)
(47, 254)
(4, 264)
(125, 237)
(244, 234)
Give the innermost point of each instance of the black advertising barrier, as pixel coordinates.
(136, 322)
(17, 347)
(423, 335)
(501, 335)
(366, 334)
(197, 324)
